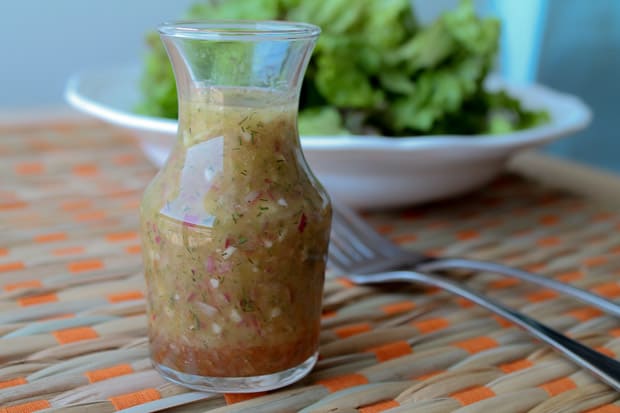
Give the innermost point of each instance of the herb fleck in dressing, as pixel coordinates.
(235, 231)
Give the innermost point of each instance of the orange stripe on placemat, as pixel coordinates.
(133, 204)
(608, 408)
(129, 295)
(537, 267)
(109, 372)
(570, 276)
(502, 322)
(112, 190)
(467, 235)
(404, 238)
(595, 261)
(71, 335)
(58, 317)
(473, 395)
(585, 314)
(464, 303)
(13, 382)
(555, 387)
(515, 366)
(549, 242)
(86, 265)
(125, 401)
(541, 295)
(549, 220)
(23, 285)
(352, 329)
(52, 237)
(345, 282)
(12, 195)
(430, 325)
(477, 344)
(29, 168)
(385, 229)
(89, 216)
(429, 375)
(63, 127)
(399, 307)
(13, 205)
(335, 384)
(432, 290)
(504, 283)
(378, 407)
(124, 159)
(328, 314)
(60, 252)
(434, 252)
(610, 289)
(41, 145)
(133, 249)
(391, 350)
(85, 170)
(12, 266)
(232, 398)
(603, 216)
(37, 299)
(76, 204)
(606, 351)
(121, 236)
(4, 252)
(29, 407)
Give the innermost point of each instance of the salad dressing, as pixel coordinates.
(235, 231)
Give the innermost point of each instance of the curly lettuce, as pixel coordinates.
(375, 70)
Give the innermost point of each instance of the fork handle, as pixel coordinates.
(606, 368)
(462, 263)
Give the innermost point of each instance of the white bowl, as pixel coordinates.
(363, 171)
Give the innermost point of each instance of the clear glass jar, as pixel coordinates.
(235, 226)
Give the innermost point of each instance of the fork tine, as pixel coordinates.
(349, 248)
(364, 233)
(343, 248)
(350, 241)
(337, 258)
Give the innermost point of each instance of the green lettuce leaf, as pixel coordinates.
(374, 70)
(321, 121)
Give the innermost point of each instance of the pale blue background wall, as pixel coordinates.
(581, 55)
(42, 42)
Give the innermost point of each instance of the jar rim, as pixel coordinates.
(239, 30)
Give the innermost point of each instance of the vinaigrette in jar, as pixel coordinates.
(235, 231)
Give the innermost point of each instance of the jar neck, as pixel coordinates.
(245, 118)
(263, 55)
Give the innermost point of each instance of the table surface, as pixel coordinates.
(72, 322)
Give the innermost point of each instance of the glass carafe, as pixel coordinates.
(235, 227)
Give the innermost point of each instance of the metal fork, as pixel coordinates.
(347, 259)
(357, 248)
(605, 368)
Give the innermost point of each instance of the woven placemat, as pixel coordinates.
(72, 323)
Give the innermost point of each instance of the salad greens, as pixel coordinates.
(375, 70)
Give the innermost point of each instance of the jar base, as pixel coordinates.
(250, 384)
